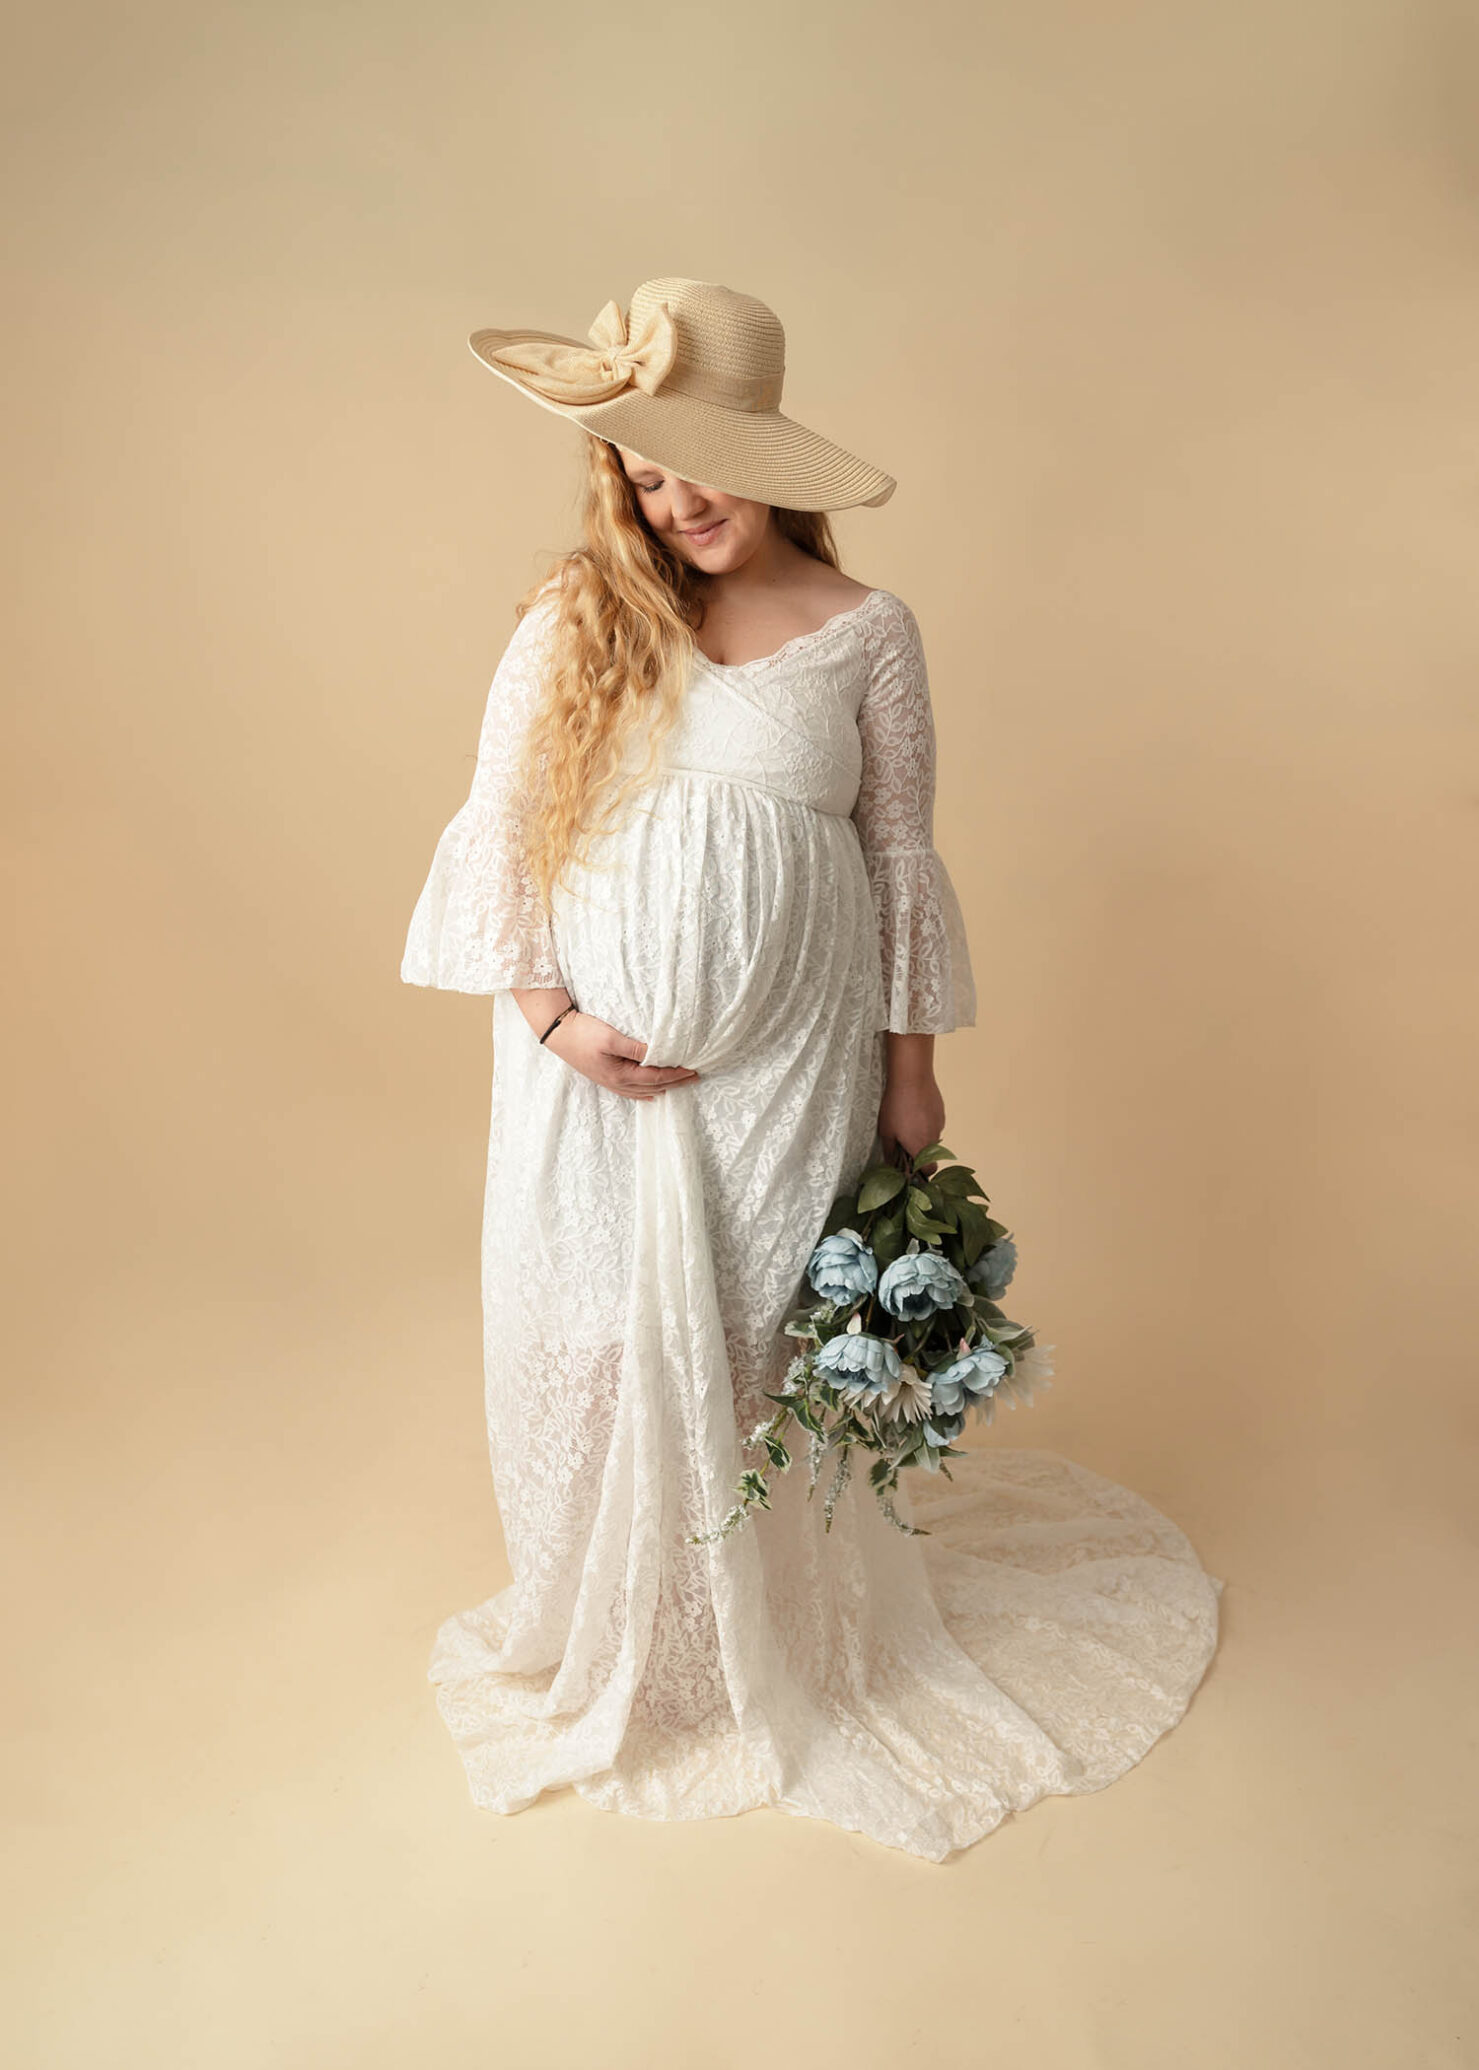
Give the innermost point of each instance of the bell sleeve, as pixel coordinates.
(928, 984)
(478, 925)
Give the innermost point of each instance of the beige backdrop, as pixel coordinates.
(1165, 318)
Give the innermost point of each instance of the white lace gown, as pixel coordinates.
(774, 905)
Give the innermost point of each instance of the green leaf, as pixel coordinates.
(888, 1238)
(1005, 1332)
(920, 1223)
(752, 1488)
(879, 1186)
(957, 1180)
(975, 1226)
(941, 1208)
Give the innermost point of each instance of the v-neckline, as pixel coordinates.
(732, 668)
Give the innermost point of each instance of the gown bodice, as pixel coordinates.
(787, 723)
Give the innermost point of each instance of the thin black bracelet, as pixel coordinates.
(571, 1008)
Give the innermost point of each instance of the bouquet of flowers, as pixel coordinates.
(906, 1339)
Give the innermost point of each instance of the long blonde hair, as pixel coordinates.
(621, 649)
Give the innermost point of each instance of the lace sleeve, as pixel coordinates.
(928, 986)
(478, 925)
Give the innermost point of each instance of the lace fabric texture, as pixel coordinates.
(774, 903)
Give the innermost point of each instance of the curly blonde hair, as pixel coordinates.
(621, 649)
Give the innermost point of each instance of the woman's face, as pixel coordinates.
(715, 531)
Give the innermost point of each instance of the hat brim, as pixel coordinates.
(758, 454)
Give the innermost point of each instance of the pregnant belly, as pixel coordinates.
(721, 919)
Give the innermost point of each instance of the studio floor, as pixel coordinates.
(242, 1837)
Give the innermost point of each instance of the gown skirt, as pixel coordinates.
(771, 905)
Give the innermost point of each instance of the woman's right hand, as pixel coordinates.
(600, 1052)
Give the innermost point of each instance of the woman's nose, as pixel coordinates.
(690, 501)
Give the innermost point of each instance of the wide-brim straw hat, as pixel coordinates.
(690, 379)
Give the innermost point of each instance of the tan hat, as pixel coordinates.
(691, 380)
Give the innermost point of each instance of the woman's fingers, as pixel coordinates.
(655, 1075)
(625, 1072)
(631, 1051)
(610, 1058)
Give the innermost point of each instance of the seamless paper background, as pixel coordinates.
(1165, 319)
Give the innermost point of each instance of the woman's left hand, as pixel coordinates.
(912, 1113)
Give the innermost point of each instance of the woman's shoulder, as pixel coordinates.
(889, 604)
(835, 595)
(889, 624)
(535, 615)
(542, 599)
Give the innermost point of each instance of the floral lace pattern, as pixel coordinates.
(840, 719)
(772, 905)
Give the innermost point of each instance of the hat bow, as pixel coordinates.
(581, 374)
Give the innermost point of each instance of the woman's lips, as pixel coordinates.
(705, 533)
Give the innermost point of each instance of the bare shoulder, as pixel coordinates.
(824, 592)
(849, 592)
(829, 591)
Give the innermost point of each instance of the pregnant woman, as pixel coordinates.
(696, 873)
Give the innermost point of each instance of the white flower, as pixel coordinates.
(795, 1377)
(909, 1396)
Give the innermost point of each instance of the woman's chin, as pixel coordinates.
(715, 555)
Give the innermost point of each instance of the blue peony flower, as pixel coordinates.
(842, 1267)
(919, 1283)
(992, 1272)
(967, 1379)
(858, 1365)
